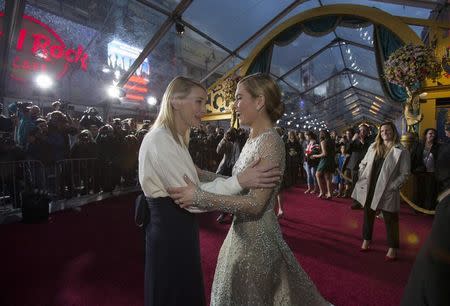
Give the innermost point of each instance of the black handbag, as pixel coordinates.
(141, 211)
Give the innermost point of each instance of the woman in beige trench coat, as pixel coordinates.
(382, 172)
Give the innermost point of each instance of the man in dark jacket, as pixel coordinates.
(90, 117)
(357, 148)
(429, 280)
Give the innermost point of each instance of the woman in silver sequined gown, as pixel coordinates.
(255, 265)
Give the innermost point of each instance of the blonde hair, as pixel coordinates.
(260, 84)
(380, 149)
(180, 86)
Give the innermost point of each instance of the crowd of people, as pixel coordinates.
(102, 155)
(240, 173)
(330, 164)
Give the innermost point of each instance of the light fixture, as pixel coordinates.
(179, 27)
(115, 92)
(375, 106)
(151, 100)
(423, 95)
(44, 81)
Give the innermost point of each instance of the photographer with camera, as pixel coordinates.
(90, 117)
(27, 113)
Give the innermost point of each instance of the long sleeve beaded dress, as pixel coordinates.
(255, 265)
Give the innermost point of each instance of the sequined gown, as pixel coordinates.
(255, 265)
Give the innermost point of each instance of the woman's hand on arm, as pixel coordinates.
(183, 196)
(260, 174)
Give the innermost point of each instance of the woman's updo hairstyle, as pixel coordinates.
(260, 84)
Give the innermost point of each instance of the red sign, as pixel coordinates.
(136, 88)
(40, 49)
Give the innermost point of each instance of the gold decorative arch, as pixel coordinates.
(376, 16)
(219, 109)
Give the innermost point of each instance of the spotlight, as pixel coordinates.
(44, 81)
(179, 28)
(151, 100)
(113, 92)
(116, 92)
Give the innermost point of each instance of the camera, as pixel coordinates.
(22, 106)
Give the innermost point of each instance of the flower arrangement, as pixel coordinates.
(410, 65)
(229, 88)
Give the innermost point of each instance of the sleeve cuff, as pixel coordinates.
(234, 184)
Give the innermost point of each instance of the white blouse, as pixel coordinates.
(163, 162)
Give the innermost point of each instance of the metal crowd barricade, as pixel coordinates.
(16, 177)
(76, 177)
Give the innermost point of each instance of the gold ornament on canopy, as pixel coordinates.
(408, 67)
(229, 90)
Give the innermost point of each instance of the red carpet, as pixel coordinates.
(95, 257)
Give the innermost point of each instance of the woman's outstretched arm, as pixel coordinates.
(254, 203)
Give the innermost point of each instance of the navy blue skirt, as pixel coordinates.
(173, 273)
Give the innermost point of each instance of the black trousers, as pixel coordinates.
(173, 273)
(391, 222)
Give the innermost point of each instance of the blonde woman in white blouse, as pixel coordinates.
(173, 273)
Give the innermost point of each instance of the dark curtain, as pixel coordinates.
(385, 42)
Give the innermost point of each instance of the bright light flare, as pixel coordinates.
(44, 81)
(151, 101)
